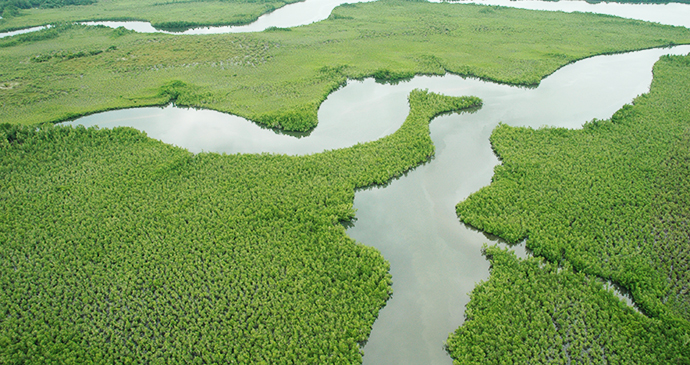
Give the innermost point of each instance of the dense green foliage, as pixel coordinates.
(532, 312)
(165, 14)
(671, 207)
(11, 8)
(279, 78)
(610, 200)
(116, 248)
(15, 5)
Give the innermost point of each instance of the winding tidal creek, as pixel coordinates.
(310, 11)
(435, 260)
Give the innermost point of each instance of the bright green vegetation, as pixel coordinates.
(11, 8)
(117, 248)
(280, 77)
(640, 1)
(163, 14)
(611, 201)
(531, 312)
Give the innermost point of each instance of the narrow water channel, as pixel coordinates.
(361, 112)
(310, 11)
(671, 13)
(22, 31)
(435, 260)
(291, 15)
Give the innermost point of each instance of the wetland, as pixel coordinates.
(435, 261)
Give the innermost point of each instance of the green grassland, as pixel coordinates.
(535, 312)
(161, 14)
(609, 201)
(641, 1)
(117, 248)
(278, 78)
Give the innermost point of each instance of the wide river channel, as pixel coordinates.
(435, 260)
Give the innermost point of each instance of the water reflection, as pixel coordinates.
(22, 31)
(435, 260)
(365, 111)
(311, 11)
(288, 16)
(671, 13)
(361, 112)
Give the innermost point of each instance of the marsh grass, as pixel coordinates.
(609, 201)
(122, 249)
(167, 15)
(279, 78)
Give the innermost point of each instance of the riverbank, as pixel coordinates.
(606, 201)
(168, 15)
(174, 257)
(279, 78)
(157, 173)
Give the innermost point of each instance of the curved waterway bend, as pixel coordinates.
(311, 11)
(291, 15)
(288, 16)
(360, 112)
(670, 14)
(435, 260)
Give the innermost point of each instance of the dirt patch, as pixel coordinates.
(8, 85)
